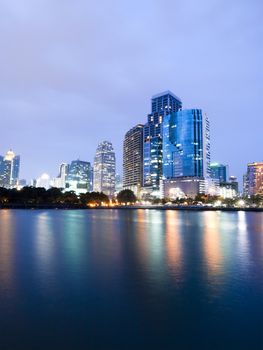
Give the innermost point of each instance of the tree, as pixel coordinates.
(94, 198)
(126, 196)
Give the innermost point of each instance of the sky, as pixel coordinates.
(76, 72)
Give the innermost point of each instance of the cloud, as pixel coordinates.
(75, 72)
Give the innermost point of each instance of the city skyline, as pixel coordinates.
(119, 168)
(55, 90)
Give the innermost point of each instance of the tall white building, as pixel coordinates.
(60, 180)
(104, 169)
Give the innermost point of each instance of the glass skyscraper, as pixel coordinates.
(78, 177)
(104, 169)
(186, 144)
(219, 172)
(162, 105)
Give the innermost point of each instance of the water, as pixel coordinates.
(131, 279)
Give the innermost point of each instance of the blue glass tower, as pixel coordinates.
(219, 172)
(186, 144)
(162, 105)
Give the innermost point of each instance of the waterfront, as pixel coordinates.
(131, 279)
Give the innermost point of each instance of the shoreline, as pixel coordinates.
(133, 207)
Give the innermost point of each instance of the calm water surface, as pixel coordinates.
(131, 279)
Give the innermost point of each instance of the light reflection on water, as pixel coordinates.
(211, 243)
(7, 232)
(149, 263)
(159, 238)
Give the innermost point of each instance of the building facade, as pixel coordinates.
(254, 179)
(228, 190)
(219, 172)
(162, 105)
(186, 144)
(186, 153)
(9, 170)
(78, 178)
(104, 169)
(184, 186)
(133, 159)
(60, 180)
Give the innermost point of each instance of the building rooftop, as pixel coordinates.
(167, 92)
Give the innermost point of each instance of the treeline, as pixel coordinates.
(53, 197)
(256, 201)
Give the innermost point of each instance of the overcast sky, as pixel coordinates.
(76, 72)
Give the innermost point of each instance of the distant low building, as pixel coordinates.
(22, 183)
(33, 182)
(234, 182)
(228, 190)
(43, 181)
(184, 187)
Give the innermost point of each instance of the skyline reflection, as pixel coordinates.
(7, 251)
(164, 246)
(174, 249)
(211, 243)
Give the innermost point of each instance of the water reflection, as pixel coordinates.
(173, 241)
(45, 241)
(153, 274)
(73, 230)
(211, 243)
(7, 229)
(243, 242)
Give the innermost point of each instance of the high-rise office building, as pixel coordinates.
(104, 169)
(60, 180)
(133, 159)
(186, 144)
(186, 153)
(219, 172)
(162, 105)
(9, 170)
(78, 177)
(254, 179)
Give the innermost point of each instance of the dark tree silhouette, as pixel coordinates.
(126, 196)
(95, 198)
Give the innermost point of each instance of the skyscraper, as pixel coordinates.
(9, 170)
(254, 179)
(186, 154)
(104, 169)
(78, 178)
(186, 144)
(219, 172)
(162, 105)
(133, 159)
(60, 180)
